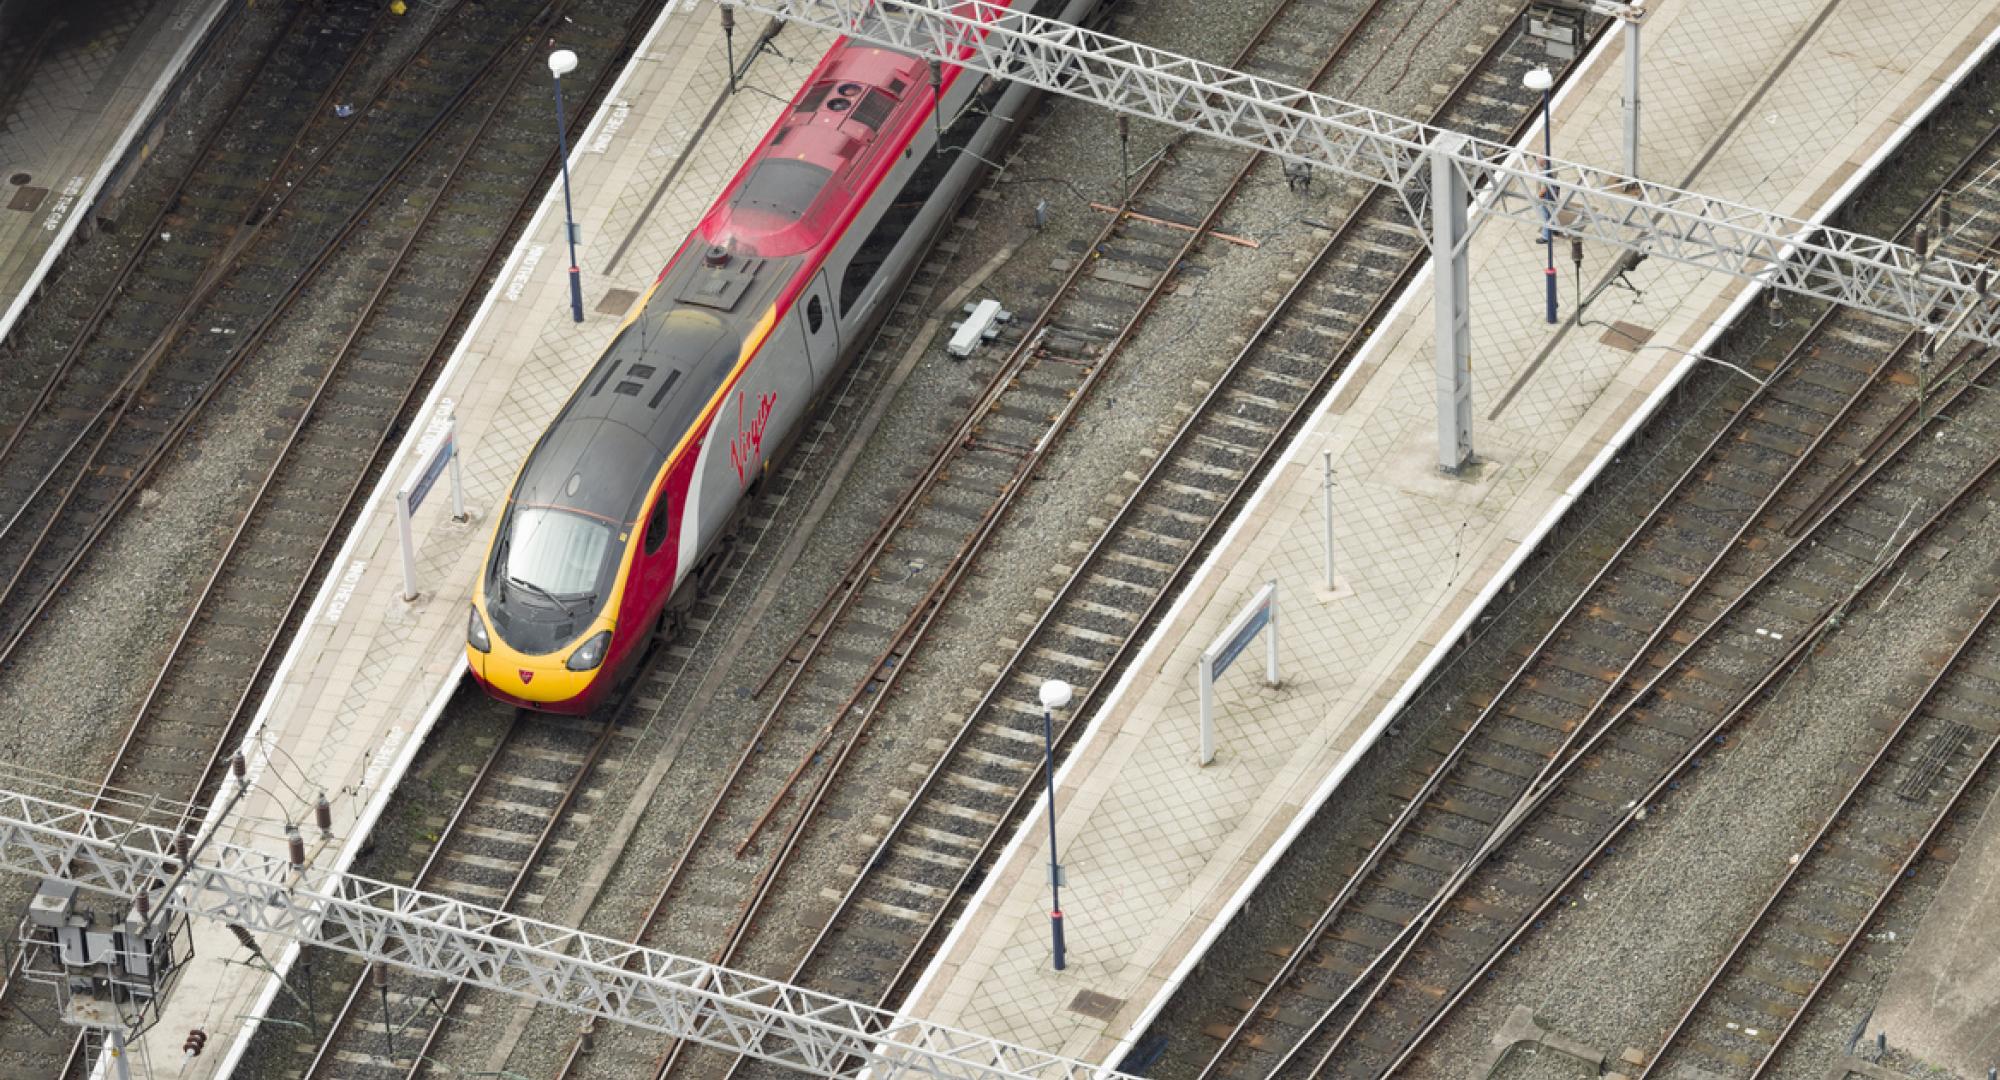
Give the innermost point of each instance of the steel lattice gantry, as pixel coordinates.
(1597, 205)
(433, 936)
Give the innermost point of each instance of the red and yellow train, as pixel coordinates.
(628, 496)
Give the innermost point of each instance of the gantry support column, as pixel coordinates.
(1452, 304)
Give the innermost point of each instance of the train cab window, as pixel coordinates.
(815, 314)
(781, 187)
(557, 551)
(656, 526)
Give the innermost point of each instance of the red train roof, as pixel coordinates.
(822, 160)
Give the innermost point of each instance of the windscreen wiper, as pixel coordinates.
(541, 592)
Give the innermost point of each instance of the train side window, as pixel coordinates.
(656, 526)
(874, 251)
(815, 314)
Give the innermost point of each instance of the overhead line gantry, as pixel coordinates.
(1435, 173)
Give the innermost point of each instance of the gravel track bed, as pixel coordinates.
(1696, 869)
(1292, 895)
(129, 600)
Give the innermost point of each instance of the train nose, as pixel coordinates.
(537, 685)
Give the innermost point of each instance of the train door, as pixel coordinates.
(822, 331)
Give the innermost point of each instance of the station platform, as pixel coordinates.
(364, 680)
(1783, 105)
(77, 99)
(1942, 1004)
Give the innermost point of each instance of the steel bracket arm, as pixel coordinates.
(1383, 149)
(443, 938)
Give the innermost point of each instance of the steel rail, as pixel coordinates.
(185, 420)
(169, 204)
(1403, 944)
(526, 870)
(1799, 353)
(1796, 652)
(874, 685)
(370, 310)
(215, 272)
(820, 624)
(797, 830)
(1871, 773)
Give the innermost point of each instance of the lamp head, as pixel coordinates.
(562, 62)
(1055, 694)
(1538, 80)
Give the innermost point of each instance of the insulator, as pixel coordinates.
(197, 1039)
(937, 76)
(144, 902)
(1124, 127)
(238, 767)
(323, 815)
(378, 976)
(1923, 244)
(728, 19)
(1576, 250)
(1944, 217)
(295, 845)
(184, 844)
(243, 937)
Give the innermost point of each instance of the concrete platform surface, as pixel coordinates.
(64, 129)
(1776, 104)
(1942, 1005)
(368, 674)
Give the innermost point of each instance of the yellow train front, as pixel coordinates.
(645, 467)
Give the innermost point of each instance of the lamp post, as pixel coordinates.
(1540, 79)
(1055, 695)
(561, 63)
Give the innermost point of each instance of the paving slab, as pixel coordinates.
(1776, 104)
(1942, 1004)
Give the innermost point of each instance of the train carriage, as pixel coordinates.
(636, 485)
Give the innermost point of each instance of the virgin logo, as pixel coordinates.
(748, 445)
(527, 676)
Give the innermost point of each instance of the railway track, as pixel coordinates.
(516, 810)
(1905, 794)
(250, 148)
(442, 236)
(445, 241)
(104, 427)
(1754, 552)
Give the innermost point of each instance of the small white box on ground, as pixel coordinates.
(977, 327)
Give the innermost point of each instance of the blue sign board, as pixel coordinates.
(432, 470)
(1242, 640)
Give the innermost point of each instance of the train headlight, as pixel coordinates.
(475, 632)
(591, 653)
